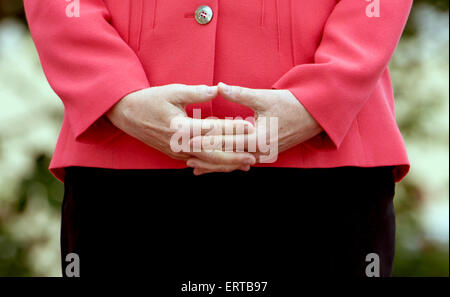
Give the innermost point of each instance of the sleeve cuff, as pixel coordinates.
(327, 139)
(97, 128)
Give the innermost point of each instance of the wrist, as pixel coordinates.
(117, 113)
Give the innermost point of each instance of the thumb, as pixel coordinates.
(249, 97)
(185, 94)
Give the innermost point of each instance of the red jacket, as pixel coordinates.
(329, 53)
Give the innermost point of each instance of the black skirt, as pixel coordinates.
(266, 223)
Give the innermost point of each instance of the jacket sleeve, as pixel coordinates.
(354, 52)
(86, 62)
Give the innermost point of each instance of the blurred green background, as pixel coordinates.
(31, 115)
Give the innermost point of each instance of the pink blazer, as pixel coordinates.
(330, 54)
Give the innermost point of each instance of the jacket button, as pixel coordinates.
(203, 14)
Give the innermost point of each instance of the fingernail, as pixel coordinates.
(190, 164)
(249, 161)
(226, 88)
(246, 168)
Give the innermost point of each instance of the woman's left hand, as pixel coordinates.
(295, 125)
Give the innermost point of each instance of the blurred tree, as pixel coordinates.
(16, 250)
(12, 8)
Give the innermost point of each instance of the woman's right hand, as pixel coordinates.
(147, 114)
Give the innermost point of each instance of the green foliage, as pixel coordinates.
(15, 251)
(52, 188)
(13, 254)
(439, 4)
(431, 258)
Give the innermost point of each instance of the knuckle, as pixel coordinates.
(205, 92)
(200, 90)
(176, 86)
(238, 92)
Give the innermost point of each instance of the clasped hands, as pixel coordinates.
(147, 115)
